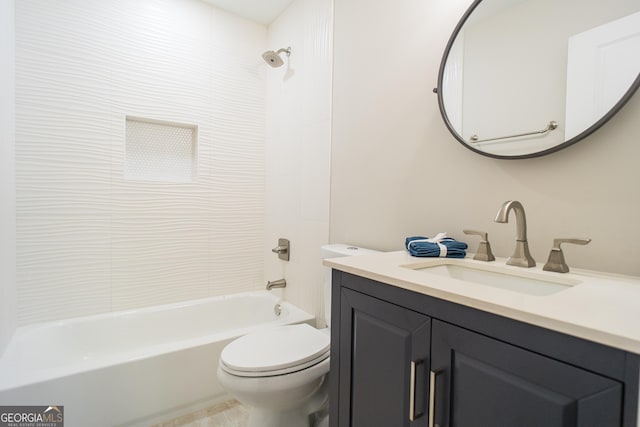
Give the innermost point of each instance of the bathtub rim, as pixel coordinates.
(41, 374)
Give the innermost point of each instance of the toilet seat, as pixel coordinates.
(277, 351)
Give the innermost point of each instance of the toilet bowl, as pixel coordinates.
(281, 372)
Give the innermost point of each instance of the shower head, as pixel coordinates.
(273, 58)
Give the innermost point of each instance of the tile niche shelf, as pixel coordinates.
(160, 150)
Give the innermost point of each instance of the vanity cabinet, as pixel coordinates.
(480, 381)
(395, 354)
(385, 349)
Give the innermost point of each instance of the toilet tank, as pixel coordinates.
(336, 250)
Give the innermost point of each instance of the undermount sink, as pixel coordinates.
(504, 277)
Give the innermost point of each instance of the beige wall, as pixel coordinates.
(396, 171)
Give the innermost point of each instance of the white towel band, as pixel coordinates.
(443, 250)
(437, 239)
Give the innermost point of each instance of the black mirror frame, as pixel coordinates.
(612, 112)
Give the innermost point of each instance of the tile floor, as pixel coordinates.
(227, 414)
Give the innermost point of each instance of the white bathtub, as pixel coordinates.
(135, 367)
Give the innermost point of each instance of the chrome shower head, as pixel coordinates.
(273, 58)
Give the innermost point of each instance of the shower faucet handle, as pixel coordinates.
(484, 249)
(283, 248)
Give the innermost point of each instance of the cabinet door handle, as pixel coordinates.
(432, 399)
(412, 392)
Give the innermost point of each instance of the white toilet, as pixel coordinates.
(281, 373)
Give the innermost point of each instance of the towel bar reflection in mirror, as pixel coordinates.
(551, 126)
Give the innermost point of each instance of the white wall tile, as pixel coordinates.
(7, 175)
(315, 161)
(298, 149)
(90, 240)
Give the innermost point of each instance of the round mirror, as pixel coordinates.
(525, 78)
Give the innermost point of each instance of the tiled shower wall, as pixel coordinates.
(7, 176)
(91, 241)
(298, 149)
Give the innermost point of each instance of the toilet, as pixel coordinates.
(281, 372)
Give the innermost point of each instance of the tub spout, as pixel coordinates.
(276, 284)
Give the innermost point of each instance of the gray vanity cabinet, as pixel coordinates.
(488, 371)
(384, 346)
(484, 382)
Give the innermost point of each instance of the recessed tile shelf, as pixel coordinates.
(160, 150)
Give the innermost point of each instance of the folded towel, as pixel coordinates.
(438, 246)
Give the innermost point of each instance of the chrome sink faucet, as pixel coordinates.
(521, 256)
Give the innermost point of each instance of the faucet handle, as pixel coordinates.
(283, 249)
(556, 261)
(484, 249)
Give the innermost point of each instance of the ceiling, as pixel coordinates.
(261, 11)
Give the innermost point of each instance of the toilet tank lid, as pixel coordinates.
(335, 250)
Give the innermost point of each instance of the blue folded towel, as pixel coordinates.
(424, 247)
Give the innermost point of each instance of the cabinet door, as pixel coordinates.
(482, 382)
(384, 360)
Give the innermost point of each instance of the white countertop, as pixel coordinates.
(600, 307)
